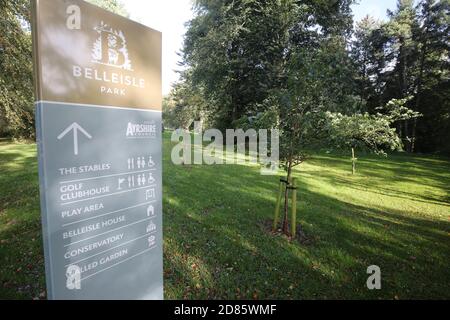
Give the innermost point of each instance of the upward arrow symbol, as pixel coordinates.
(74, 127)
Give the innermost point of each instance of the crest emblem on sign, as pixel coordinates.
(110, 48)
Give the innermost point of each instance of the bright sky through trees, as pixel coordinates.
(169, 17)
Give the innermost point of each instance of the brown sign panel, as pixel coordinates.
(98, 58)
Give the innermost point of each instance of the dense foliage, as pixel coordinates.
(16, 70)
(238, 55)
(408, 56)
(16, 66)
(304, 68)
(242, 58)
(115, 6)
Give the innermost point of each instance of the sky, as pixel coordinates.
(375, 8)
(170, 16)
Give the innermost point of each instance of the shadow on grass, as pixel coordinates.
(242, 261)
(378, 187)
(386, 174)
(21, 252)
(216, 248)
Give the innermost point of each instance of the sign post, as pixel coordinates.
(98, 119)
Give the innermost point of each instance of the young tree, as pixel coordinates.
(373, 133)
(318, 80)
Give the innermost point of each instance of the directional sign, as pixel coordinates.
(75, 127)
(98, 119)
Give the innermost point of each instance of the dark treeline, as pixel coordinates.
(238, 53)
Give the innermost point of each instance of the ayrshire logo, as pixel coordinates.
(110, 48)
(140, 130)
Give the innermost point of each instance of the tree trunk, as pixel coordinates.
(286, 199)
(402, 87)
(418, 92)
(407, 137)
(353, 161)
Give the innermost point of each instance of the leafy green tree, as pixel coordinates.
(432, 93)
(402, 51)
(367, 53)
(408, 57)
(184, 105)
(363, 131)
(282, 61)
(237, 51)
(16, 76)
(369, 132)
(115, 6)
(16, 69)
(317, 82)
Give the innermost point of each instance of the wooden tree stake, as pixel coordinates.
(276, 217)
(294, 209)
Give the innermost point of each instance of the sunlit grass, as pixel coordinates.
(394, 213)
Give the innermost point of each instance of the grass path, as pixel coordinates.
(394, 213)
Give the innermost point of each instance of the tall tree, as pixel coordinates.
(16, 69)
(367, 53)
(184, 105)
(410, 59)
(402, 52)
(283, 60)
(432, 87)
(238, 50)
(16, 77)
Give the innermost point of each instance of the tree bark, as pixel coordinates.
(286, 199)
(413, 136)
(402, 86)
(407, 137)
(418, 92)
(353, 161)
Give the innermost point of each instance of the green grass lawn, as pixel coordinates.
(394, 213)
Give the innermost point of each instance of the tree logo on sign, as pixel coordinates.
(110, 48)
(73, 274)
